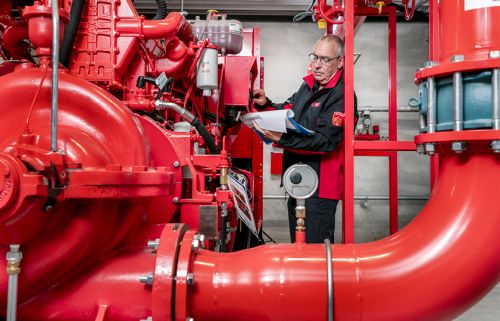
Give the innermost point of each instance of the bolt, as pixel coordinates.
(430, 148)
(190, 278)
(147, 319)
(495, 54)
(420, 149)
(495, 145)
(457, 58)
(175, 200)
(459, 147)
(189, 319)
(153, 244)
(431, 64)
(176, 164)
(147, 279)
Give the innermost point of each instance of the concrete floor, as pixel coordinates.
(276, 226)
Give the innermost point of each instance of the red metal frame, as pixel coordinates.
(389, 148)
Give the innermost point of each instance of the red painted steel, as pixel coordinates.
(456, 226)
(83, 215)
(456, 31)
(393, 120)
(348, 201)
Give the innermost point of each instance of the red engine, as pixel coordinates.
(145, 132)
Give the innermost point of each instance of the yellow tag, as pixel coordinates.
(322, 24)
(380, 5)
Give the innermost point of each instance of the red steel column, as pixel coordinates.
(393, 122)
(348, 202)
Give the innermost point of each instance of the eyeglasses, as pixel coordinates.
(324, 60)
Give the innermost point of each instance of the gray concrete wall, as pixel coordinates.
(285, 47)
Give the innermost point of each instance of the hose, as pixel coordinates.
(209, 141)
(70, 32)
(193, 121)
(161, 13)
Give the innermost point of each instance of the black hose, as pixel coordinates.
(161, 13)
(209, 141)
(70, 32)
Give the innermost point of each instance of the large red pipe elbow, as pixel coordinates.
(434, 269)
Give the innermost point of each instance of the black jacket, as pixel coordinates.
(321, 111)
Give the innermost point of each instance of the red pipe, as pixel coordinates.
(173, 24)
(99, 291)
(433, 269)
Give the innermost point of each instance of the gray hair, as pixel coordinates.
(339, 42)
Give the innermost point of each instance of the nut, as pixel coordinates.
(190, 278)
(430, 148)
(147, 279)
(495, 145)
(459, 147)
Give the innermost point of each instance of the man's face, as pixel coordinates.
(322, 71)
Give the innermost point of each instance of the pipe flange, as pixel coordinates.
(184, 278)
(165, 270)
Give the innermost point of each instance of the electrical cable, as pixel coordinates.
(301, 16)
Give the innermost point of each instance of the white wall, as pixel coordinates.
(285, 47)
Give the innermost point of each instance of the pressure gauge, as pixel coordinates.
(300, 181)
(367, 121)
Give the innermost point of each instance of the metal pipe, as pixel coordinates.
(495, 84)
(364, 197)
(183, 112)
(431, 105)
(13, 257)
(382, 109)
(458, 110)
(55, 73)
(329, 277)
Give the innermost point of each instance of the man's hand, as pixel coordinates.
(259, 97)
(272, 136)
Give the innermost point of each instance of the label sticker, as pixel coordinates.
(478, 4)
(235, 28)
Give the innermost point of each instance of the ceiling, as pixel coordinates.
(244, 8)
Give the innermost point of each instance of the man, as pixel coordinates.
(318, 105)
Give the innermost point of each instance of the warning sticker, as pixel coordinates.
(235, 28)
(478, 4)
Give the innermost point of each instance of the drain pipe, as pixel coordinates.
(13, 257)
(55, 73)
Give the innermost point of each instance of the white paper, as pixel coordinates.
(478, 4)
(275, 120)
(242, 203)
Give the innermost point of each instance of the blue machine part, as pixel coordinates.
(477, 101)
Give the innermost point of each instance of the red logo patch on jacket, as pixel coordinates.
(338, 119)
(316, 104)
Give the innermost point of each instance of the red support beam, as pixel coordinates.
(384, 146)
(348, 203)
(393, 122)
